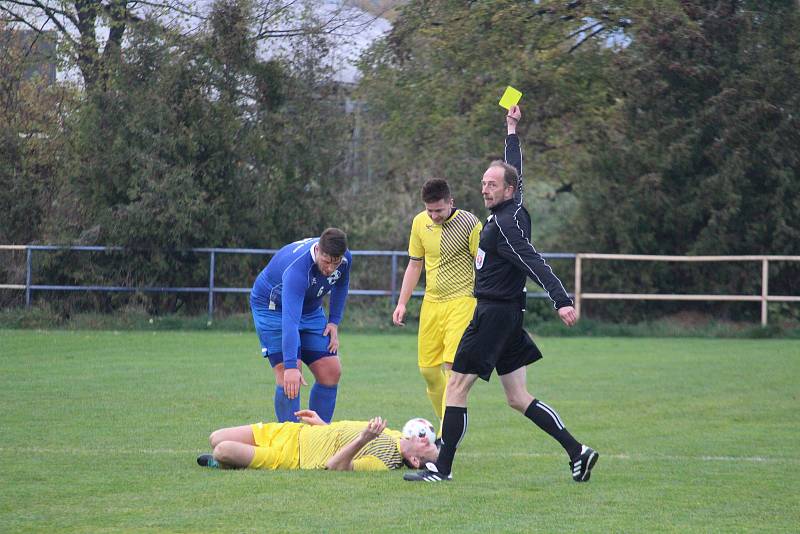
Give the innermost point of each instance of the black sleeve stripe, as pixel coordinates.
(520, 257)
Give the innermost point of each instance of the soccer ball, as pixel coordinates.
(420, 427)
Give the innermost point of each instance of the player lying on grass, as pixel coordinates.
(314, 444)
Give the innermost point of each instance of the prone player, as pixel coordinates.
(314, 444)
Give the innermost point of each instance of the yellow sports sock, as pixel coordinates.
(436, 383)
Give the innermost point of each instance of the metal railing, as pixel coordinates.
(579, 295)
(211, 289)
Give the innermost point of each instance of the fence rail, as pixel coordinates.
(764, 297)
(211, 289)
(579, 295)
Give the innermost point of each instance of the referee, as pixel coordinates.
(495, 338)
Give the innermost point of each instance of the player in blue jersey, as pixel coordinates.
(286, 301)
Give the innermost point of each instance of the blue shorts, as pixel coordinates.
(313, 345)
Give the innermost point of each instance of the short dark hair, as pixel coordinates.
(435, 190)
(510, 174)
(333, 242)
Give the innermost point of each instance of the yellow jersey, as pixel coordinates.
(318, 443)
(449, 250)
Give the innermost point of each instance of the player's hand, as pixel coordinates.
(399, 314)
(332, 330)
(568, 315)
(302, 376)
(512, 118)
(309, 417)
(373, 429)
(292, 379)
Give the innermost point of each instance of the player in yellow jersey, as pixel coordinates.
(314, 444)
(444, 240)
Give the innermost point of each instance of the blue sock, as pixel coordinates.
(285, 407)
(323, 400)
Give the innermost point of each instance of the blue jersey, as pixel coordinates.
(292, 284)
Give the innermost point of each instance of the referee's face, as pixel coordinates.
(440, 210)
(494, 188)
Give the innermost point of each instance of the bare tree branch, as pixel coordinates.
(38, 6)
(14, 17)
(172, 6)
(583, 29)
(268, 16)
(331, 24)
(579, 43)
(50, 11)
(18, 17)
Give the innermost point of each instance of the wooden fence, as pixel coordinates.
(764, 297)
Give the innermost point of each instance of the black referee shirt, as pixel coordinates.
(506, 254)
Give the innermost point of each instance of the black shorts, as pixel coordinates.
(495, 339)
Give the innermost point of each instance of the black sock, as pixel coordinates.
(548, 420)
(454, 426)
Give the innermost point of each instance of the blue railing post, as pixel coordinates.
(394, 278)
(28, 262)
(212, 265)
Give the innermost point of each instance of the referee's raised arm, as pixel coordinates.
(513, 151)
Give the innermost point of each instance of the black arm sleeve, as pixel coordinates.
(513, 156)
(514, 246)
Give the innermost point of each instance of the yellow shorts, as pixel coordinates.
(441, 325)
(277, 445)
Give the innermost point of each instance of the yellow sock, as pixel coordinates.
(436, 383)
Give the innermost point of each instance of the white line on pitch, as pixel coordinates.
(616, 456)
(645, 457)
(98, 452)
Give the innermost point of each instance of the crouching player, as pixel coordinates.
(286, 301)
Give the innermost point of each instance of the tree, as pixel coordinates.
(197, 142)
(432, 89)
(92, 32)
(704, 154)
(31, 111)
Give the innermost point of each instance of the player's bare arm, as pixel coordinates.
(410, 280)
(343, 459)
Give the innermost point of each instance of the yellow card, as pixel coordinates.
(510, 98)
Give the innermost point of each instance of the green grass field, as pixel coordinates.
(100, 431)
